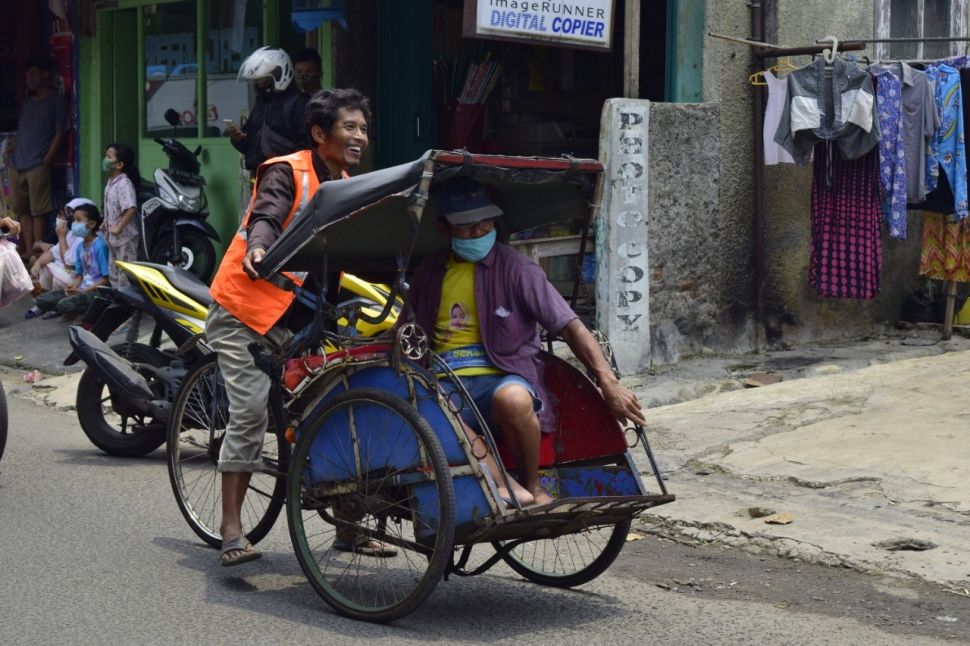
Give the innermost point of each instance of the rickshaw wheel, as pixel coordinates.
(571, 559)
(367, 465)
(195, 431)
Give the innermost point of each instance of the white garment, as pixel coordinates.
(777, 95)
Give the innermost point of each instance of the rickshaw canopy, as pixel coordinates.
(366, 221)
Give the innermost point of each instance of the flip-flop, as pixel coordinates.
(365, 547)
(238, 543)
(53, 314)
(33, 312)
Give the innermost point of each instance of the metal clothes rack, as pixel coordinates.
(762, 51)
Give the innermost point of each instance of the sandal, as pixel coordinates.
(53, 314)
(238, 544)
(33, 312)
(365, 547)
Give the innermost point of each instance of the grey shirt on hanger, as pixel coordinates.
(832, 103)
(920, 121)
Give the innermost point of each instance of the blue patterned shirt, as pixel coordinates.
(947, 150)
(892, 152)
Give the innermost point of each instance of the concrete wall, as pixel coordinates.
(699, 259)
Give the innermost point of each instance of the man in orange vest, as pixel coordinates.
(248, 310)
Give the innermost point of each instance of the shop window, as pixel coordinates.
(920, 19)
(172, 60)
(171, 66)
(234, 33)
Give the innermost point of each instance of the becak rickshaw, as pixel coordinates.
(364, 442)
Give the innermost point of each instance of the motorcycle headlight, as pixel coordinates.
(191, 203)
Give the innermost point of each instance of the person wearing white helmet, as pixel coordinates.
(276, 122)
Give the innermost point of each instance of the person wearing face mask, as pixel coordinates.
(494, 347)
(91, 265)
(54, 268)
(308, 67)
(120, 208)
(275, 125)
(41, 132)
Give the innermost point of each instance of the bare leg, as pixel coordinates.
(523, 495)
(512, 411)
(26, 233)
(38, 223)
(234, 485)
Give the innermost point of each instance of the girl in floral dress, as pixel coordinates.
(120, 208)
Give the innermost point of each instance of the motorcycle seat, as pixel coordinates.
(187, 283)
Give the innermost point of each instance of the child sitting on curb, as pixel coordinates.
(54, 269)
(92, 268)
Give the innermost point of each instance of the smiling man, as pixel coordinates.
(248, 310)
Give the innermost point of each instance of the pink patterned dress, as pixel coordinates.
(846, 252)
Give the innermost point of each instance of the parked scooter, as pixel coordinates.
(174, 230)
(125, 394)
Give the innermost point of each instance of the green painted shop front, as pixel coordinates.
(144, 57)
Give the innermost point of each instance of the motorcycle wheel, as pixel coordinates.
(136, 434)
(198, 255)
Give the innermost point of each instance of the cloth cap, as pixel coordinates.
(463, 201)
(79, 201)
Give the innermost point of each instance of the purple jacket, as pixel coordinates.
(512, 295)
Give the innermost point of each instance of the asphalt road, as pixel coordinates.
(94, 550)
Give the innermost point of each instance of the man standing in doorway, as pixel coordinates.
(309, 71)
(248, 310)
(40, 133)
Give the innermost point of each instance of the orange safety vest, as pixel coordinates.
(258, 303)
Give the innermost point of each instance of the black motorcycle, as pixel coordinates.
(174, 230)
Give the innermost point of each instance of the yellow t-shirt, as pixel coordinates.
(456, 335)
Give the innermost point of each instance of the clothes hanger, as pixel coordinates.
(783, 65)
(829, 54)
(758, 78)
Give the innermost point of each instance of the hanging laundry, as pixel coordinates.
(945, 254)
(947, 150)
(833, 104)
(919, 122)
(777, 97)
(846, 248)
(892, 152)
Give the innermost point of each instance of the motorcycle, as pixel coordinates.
(174, 230)
(141, 379)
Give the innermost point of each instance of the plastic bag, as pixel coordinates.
(14, 277)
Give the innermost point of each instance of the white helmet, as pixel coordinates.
(267, 62)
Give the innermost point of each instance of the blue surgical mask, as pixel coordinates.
(474, 249)
(80, 229)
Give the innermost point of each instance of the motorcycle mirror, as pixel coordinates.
(172, 117)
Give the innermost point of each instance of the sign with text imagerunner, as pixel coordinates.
(580, 23)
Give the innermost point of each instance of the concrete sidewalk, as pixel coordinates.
(872, 467)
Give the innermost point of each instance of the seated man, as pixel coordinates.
(481, 302)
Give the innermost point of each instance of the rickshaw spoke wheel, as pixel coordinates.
(571, 559)
(195, 432)
(367, 467)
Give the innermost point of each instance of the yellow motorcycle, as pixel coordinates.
(125, 394)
